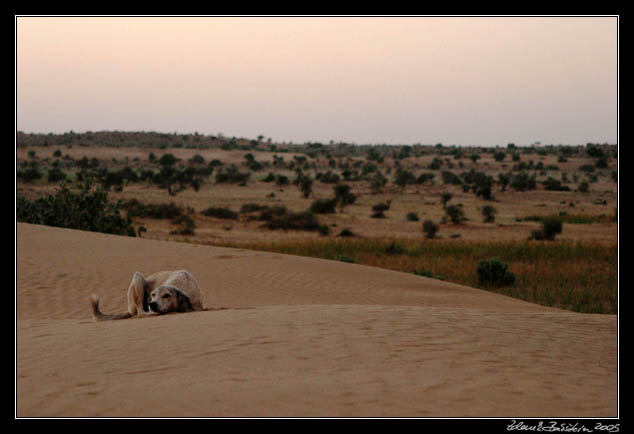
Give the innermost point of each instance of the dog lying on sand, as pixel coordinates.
(159, 293)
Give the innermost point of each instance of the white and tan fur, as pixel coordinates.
(159, 293)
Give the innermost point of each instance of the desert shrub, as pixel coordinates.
(450, 178)
(304, 220)
(88, 210)
(482, 183)
(252, 207)
(175, 180)
(232, 175)
(587, 168)
(455, 213)
(381, 206)
(601, 163)
(271, 213)
(343, 258)
(281, 180)
(55, 175)
(328, 177)
(378, 182)
(167, 160)
(324, 230)
(554, 185)
(221, 213)
(346, 232)
(522, 182)
(412, 217)
(503, 180)
(594, 151)
(305, 183)
(29, 175)
(583, 186)
(421, 271)
(109, 178)
(430, 229)
(550, 228)
(344, 195)
(197, 159)
(378, 210)
(135, 208)
(186, 225)
(324, 206)
(488, 212)
(128, 174)
(404, 177)
(444, 198)
(494, 272)
(84, 163)
(426, 178)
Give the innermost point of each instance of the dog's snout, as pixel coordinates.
(153, 306)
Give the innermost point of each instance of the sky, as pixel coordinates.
(480, 81)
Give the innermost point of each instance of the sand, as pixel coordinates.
(298, 337)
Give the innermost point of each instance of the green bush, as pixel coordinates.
(346, 232)
(29, 175)
(430, 228)
(455, 213)
(488, 212)
(324, 206)
(421, 271)
(554, 185)
(56, 175)
(304, 220)
(343, 195)
(494, 272)
(523, 182)
(550, 228)
(88, 210)
(221, 213)
(232, 175)
(135, 208)
(252, 207)
(186, 225)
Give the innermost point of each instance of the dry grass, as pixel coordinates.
(578, 276)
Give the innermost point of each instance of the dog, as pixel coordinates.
(159, 293)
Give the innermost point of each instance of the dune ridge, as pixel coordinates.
(297, 337)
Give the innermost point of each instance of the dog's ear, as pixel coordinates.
(182, 301)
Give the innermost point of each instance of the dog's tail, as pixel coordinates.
(98, 316)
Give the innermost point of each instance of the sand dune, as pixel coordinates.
(298, 337)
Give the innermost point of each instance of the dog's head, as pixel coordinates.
(167, 298)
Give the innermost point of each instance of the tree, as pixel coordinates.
(306, 185)
(550, 228)
(499, 156)
(455, 213)
(430, 229)
(444, 198)
(344, 196)
(167, 160)
(503, 180)
(488, 212)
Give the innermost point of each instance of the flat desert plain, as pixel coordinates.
(289, 336)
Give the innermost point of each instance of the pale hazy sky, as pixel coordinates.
(395, 80)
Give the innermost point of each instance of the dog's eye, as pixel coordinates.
(166, 296)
